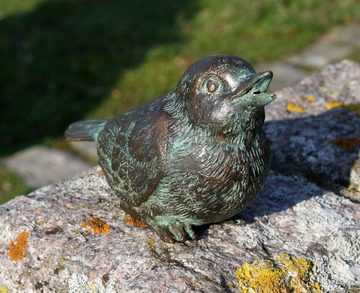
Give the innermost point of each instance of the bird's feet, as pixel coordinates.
(175, 231)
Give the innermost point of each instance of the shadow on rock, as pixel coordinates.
(323, 149)
(58, 61)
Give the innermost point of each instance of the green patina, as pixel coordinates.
(194, 156)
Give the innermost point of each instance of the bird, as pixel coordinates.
(196, 155)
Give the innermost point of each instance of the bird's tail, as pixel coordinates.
(85, 130)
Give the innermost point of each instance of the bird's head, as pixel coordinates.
(224, 93)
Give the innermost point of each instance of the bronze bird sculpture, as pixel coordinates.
(193, 156)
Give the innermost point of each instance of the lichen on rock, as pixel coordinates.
(282, 273)
(97, 225)
(17, 250)
(316, 227)
(129, 220)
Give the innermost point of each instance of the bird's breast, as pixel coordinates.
(221, 164)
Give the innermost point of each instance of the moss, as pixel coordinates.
(97, 225)
(294, 108)
(17, 251)
(283, 273)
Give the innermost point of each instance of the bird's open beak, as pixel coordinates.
(256, 88)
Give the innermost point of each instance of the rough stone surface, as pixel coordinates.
(291, 215)
(333, 46)
(348, 34)
(86, 149)
(321, 54)
(317, 141)
(285, 74)
(40, 166)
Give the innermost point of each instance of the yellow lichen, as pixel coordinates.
(310, 98)
(129, 220)
(153, 251)
(3, 289)
(93, 288)
(333, 104)
(207, 277)
(316, 288)
(97, 225)
(17, 250)
(150, 241)
(284, 273)
(294, 108)
(196, 285)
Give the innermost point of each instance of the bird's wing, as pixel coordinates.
(133, 147)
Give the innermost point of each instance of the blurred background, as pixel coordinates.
(68, 60)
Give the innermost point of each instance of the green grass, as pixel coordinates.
(256, 30)
(62, 60)
(11, 185)
(9, 7)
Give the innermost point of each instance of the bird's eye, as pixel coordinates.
(212, 86)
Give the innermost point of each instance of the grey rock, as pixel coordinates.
(320, 143)
(333, 46)
(321, 54)
(346, 34)
(285, 74)
(86, 149)
(39, 165)
(291, 215)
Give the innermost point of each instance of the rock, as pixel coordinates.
(297, 236)
(85, 149)
(285, 74)
(314, 128)
(333, 46)
(39, 165)
(347, 34)
(291, 218)
(321, 54)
